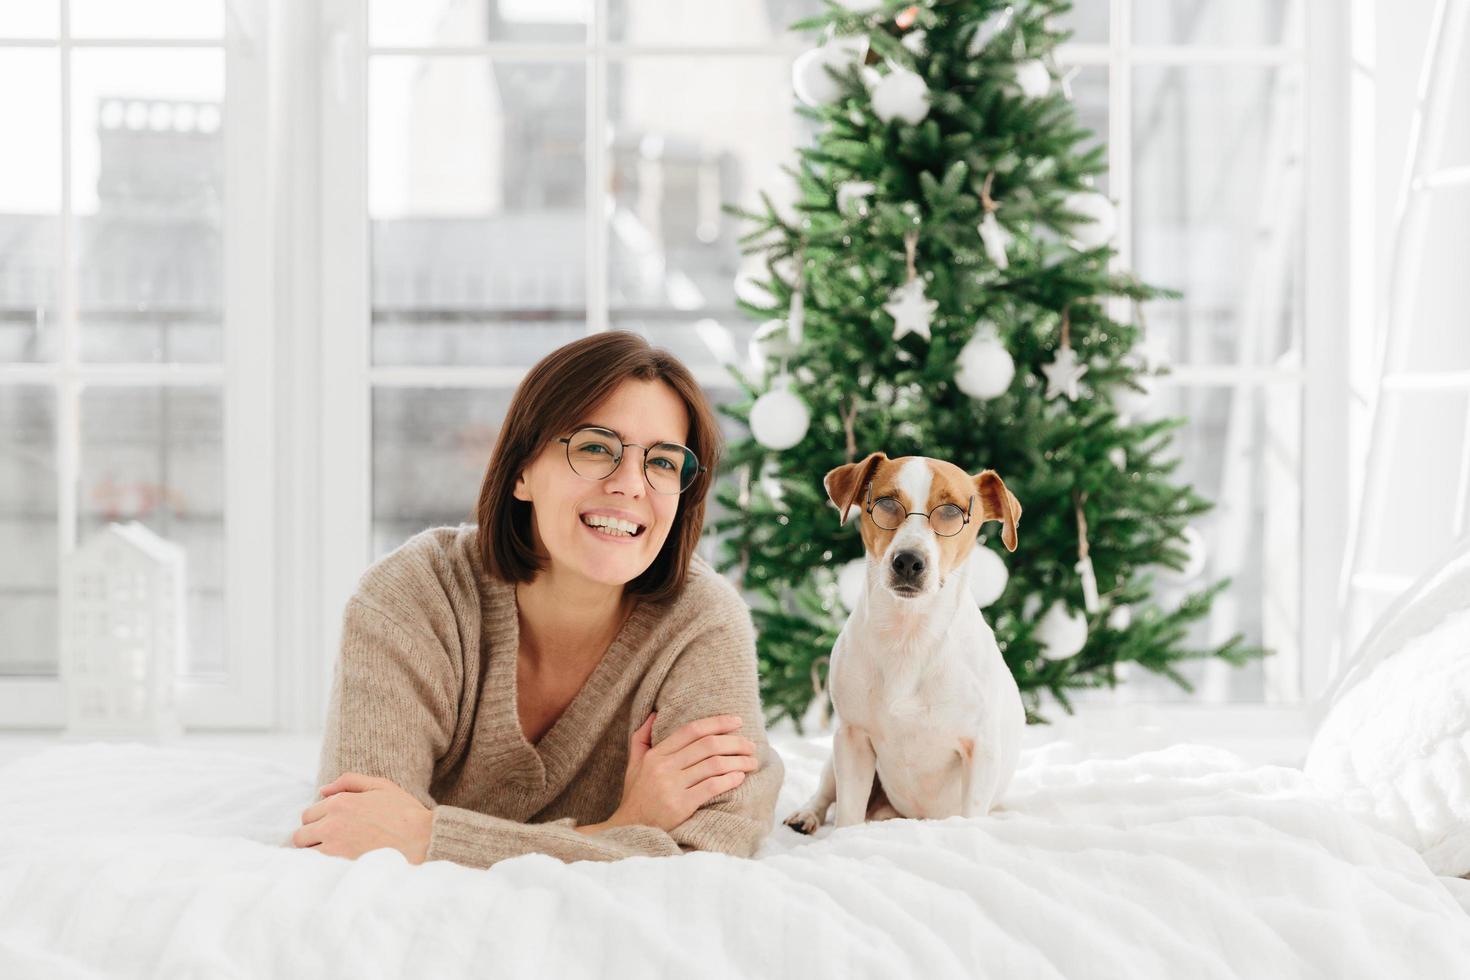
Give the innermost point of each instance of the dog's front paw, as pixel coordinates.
(804, 821)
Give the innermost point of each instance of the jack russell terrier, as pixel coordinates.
(921, 693)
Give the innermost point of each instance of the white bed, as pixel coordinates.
(129, 860)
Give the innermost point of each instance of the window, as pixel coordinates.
(534, 171)
(130, 324)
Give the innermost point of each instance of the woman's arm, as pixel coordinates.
(717, 675)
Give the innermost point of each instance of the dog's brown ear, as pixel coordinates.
(845, 483)
(998, 504)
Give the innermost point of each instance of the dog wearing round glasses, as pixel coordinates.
(928, 716)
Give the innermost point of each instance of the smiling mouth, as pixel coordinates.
(613, 535)
(907, 591)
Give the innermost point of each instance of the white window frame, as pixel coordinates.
(244, 696)
(344, 436)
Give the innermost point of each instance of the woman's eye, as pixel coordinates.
(591, 445)
(665, 463)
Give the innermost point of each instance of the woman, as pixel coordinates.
(566, 676)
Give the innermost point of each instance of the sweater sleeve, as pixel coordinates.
(393, 704)
(714, 675)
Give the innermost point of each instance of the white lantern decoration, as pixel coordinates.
(901, 94)
(988, 575)
(123, 635)
(809, 76)
(1100, 218)
(851, 581)
(779, 419)
(985, 366)
(1062, 633)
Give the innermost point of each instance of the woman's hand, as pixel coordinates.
(666, 783)
(363, 813)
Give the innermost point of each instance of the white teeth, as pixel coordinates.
(599, 520)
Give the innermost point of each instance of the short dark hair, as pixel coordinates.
(553, 397)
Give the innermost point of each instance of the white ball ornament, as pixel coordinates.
(985, 367)
(1033, 78)
(1120, 618)
(901, 94)
(851, 580)
(1100, 219)
(779, 419)
(988, 575)
(1062, 633)
(813, 84)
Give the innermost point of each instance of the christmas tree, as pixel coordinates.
(941, 288)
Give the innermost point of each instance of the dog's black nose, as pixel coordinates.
(908, 565)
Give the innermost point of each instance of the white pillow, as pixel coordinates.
(1394, 747)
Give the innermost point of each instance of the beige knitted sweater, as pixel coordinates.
(424, 694)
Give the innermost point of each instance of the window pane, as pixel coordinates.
(689, 136)
(1436, 335)
(1217, 209)
(28, 532)
(405, 23)
(30, 201)
(153, 455)
(1087, 20)
(148, 189)
(1242, 22)
(148, 18)
(1240, 450)
(33, 18)
(1090, 96)
(722, 22)
(430, 448)
(477, 185)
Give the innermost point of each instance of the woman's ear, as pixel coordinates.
(521, 491)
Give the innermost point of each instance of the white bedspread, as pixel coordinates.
(137, 861)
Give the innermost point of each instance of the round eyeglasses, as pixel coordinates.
(594, 453)
(946, 519)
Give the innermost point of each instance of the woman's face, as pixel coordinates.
(642, 412)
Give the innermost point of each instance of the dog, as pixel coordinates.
(929, 717)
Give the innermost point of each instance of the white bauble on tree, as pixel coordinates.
(901, 94)
(988, 575)
(852, 578)
(984, 367)
(809, 76)
(1120, 618)
(1061, 632)
(779, 419)
(1033, 78)
(1100, 218)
